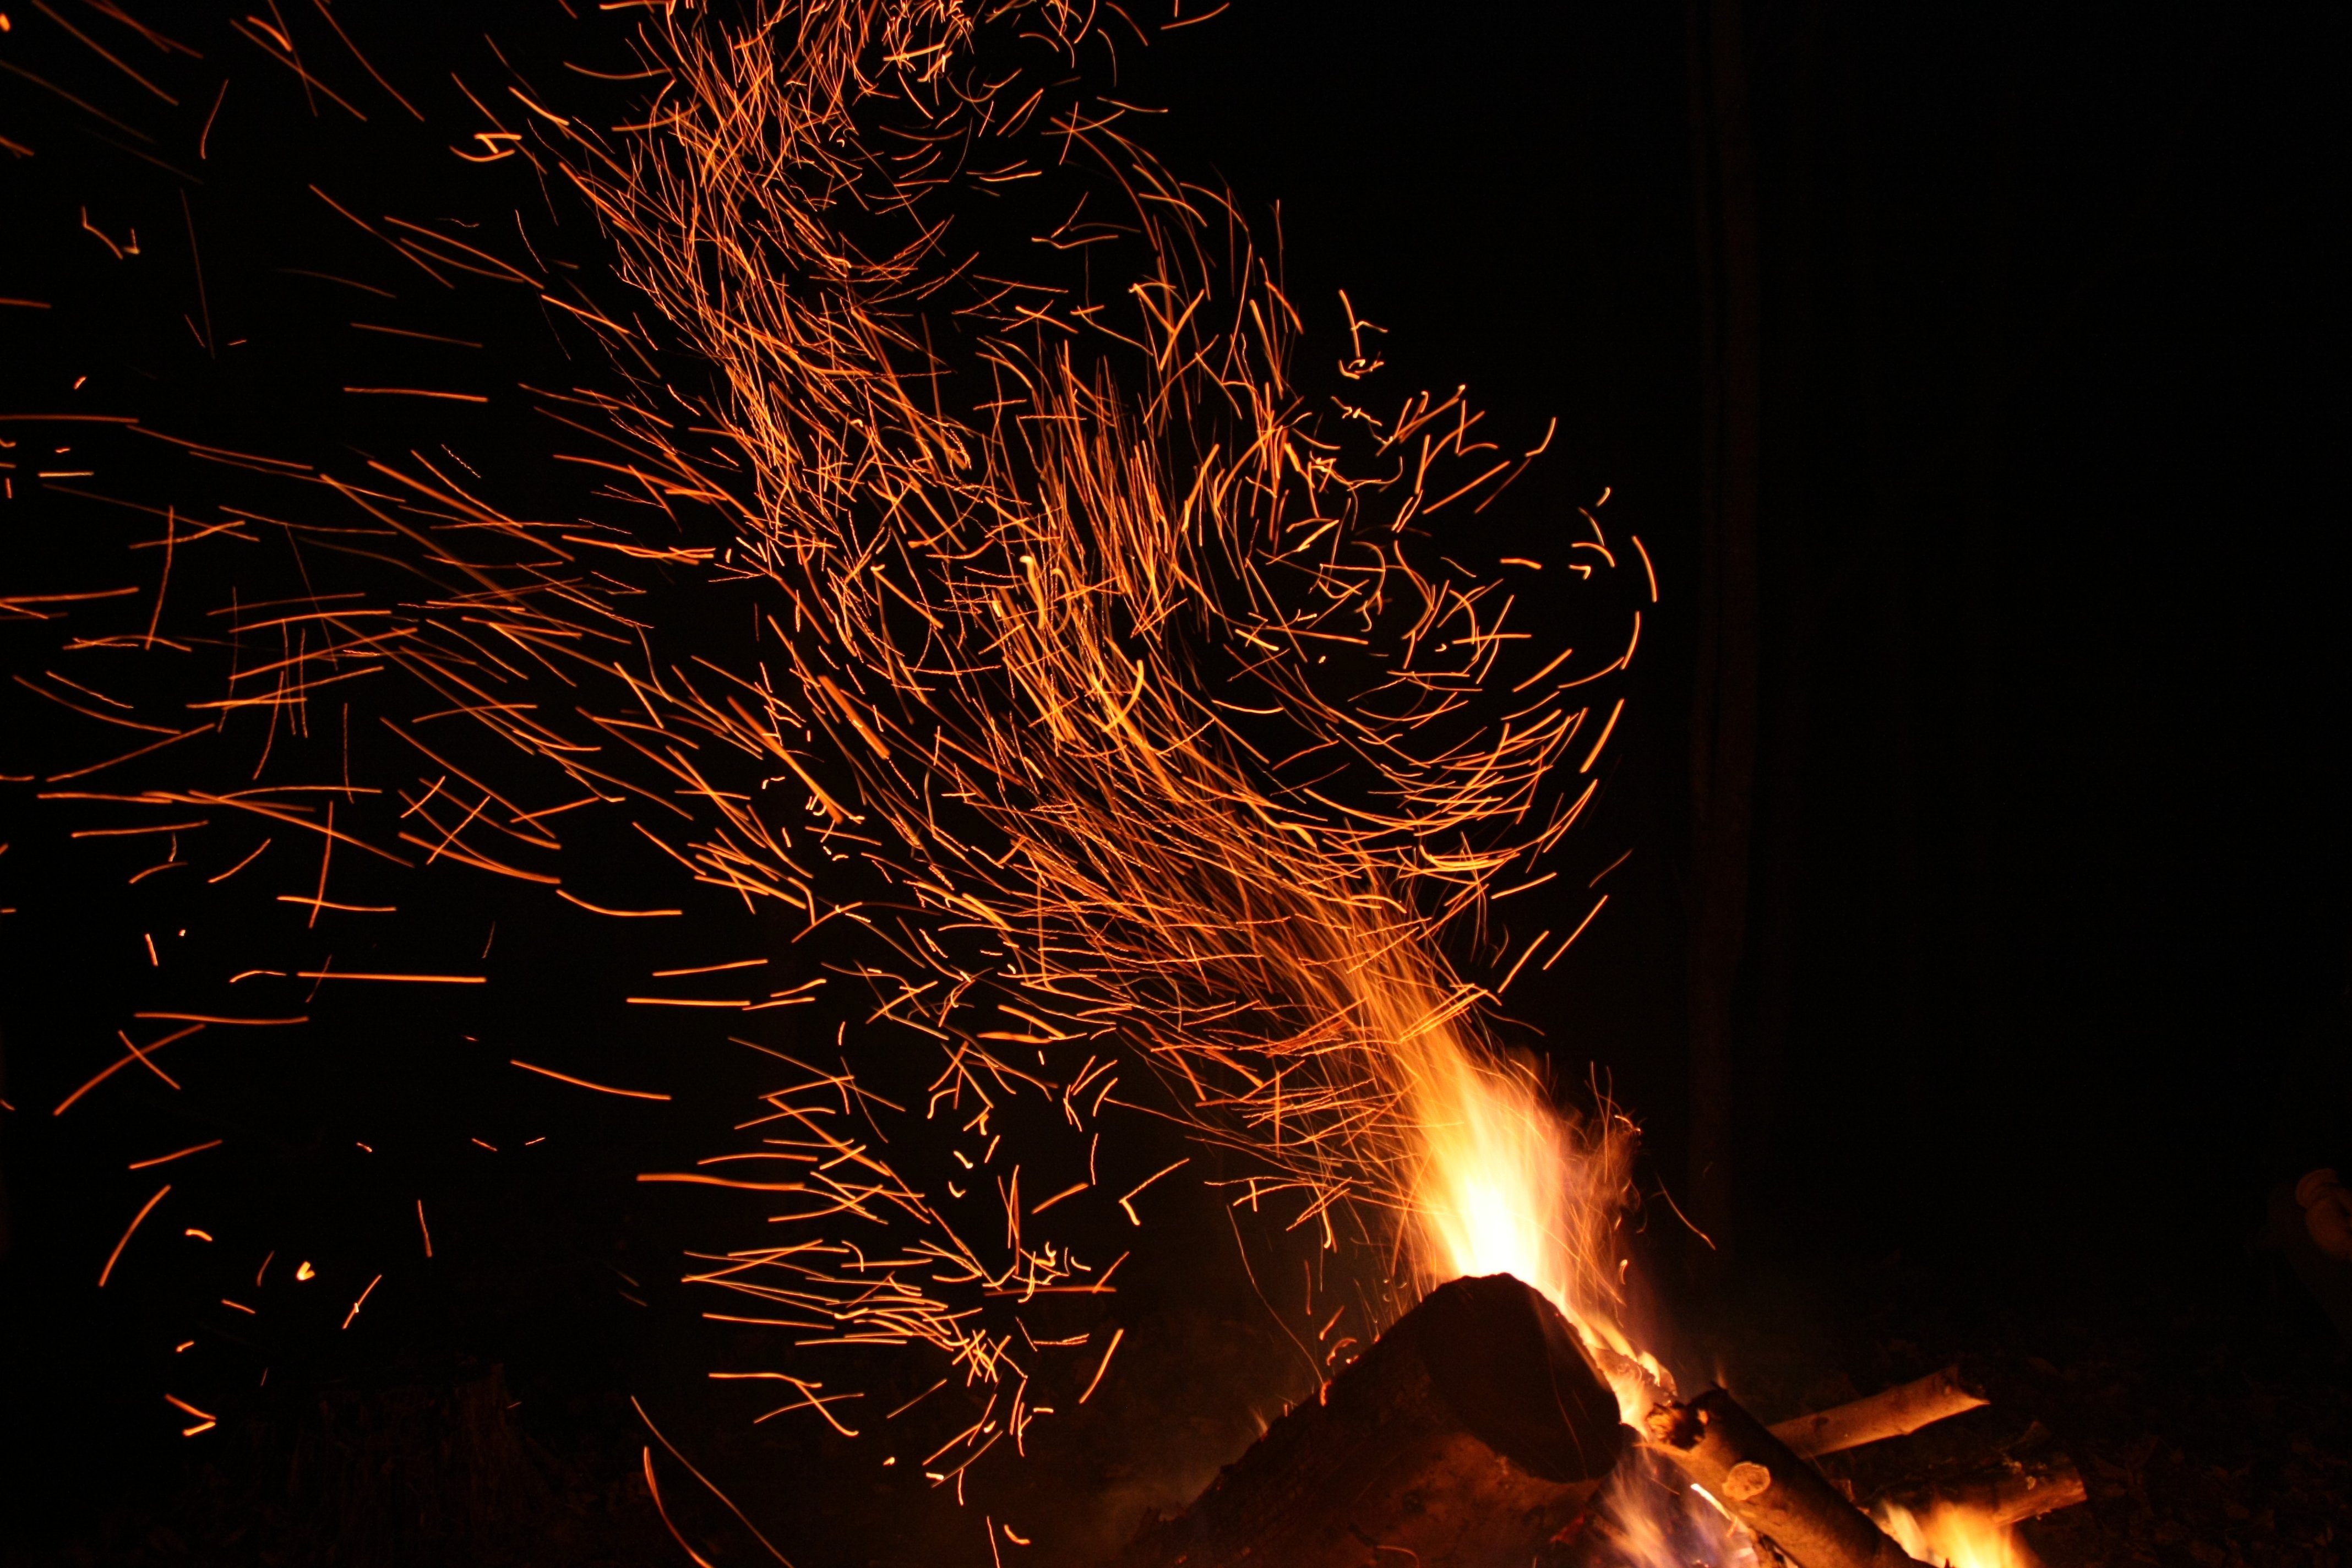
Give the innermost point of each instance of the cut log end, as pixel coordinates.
(1768, 1486)
(1470, 1434)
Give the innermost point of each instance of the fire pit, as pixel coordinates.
(1477, 1432)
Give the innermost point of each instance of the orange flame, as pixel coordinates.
(1956, 1537)
(1508, 1183)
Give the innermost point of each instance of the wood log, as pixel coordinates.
(1767, 1488)
(1894, 1413)
(1470, 1434)
(2007, 1493)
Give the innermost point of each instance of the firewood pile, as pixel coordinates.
(1475, 1432)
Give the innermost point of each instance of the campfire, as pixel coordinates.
(1512, 1416)
(1036, 631)
(1477, 1431)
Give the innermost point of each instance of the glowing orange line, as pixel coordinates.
(701, 1181)
(362, 1301)
(116, 1255)
(709, 968)
(1057, 1198)
(1147, 1181)
(420, 392)
(137, 1055)
(1576, 932)
(419, 979)
(653, 1487)
(581, 1082)
(1594, 755)
(1522, 964)
(1109, 1350)
(167, 1159)
(624, 914)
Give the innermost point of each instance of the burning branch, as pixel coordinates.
(1722, 1448)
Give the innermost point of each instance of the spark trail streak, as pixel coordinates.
(1128, 698)
(1025, 612)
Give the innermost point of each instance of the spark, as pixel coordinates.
(413, 979)
(362, 1301)
(1126, 664)
(1104, 1365)
(176, 1154)
(136, 1220)
(581, 1082)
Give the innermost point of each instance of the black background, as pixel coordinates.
(2051, 835)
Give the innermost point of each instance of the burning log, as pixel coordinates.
(1767, 1488)
(1470, 1434)
(1997, 1479)
(1894, 1413)
(2007, 1493)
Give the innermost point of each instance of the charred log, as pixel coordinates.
(1893, 1413)
(1470, 1434)
(1771, 1491)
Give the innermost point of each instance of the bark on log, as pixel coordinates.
(1895, 1413)
(1772, 1491)
(2009, 1493)
(1470, 1434)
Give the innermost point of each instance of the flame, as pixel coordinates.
(1955, 1537)
(1508, 1183)
(1650, 1518)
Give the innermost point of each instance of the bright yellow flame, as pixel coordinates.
(1955, 1537)
(1496, 1194)
(1507, 1184)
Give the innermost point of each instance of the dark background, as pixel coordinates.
(2006, 340)
(2044, 883)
